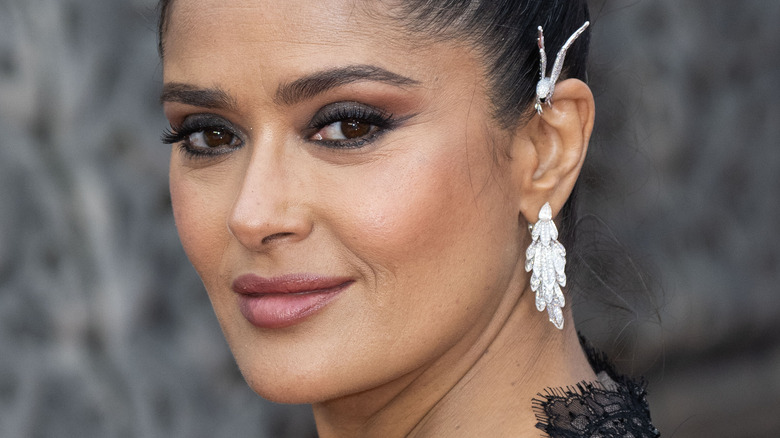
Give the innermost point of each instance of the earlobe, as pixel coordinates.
(555, 149)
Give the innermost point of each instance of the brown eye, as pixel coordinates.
(354, 128)
(214, 138)
(348, 125)
(347, 129)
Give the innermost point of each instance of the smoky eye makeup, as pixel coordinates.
(339, 126)
(204, 135)
(348, 125)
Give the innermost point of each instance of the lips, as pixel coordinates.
(286, 300)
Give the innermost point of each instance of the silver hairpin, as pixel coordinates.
(546, 86)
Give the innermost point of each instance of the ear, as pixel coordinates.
(551, 148)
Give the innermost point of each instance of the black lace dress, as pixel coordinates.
(614, 406)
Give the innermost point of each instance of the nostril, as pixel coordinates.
(277, 236)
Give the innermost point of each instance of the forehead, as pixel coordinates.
(263, 43)
(252, 48)
(257, 18)
(281, 34)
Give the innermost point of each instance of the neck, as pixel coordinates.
(482, 390)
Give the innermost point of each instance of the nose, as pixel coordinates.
(269, 208)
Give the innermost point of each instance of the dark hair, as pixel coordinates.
(504, 33)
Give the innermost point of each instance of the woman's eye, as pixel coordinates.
(347, 129)
(204, 135)
(211, 138)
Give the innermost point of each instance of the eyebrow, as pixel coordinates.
(310, 86)
(291, 93)
(212, 98)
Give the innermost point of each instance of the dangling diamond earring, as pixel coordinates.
(547, 258)
(546, 85)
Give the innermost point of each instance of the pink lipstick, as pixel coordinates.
(286, 300)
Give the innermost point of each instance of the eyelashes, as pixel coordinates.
(204, 135)
(349, 125)
(340, 125)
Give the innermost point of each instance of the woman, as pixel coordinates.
(354, 183)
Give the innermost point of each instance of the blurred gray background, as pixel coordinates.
(105, 330)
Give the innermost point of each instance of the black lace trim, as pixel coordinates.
(615, 406)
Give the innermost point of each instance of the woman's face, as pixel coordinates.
(341, 189)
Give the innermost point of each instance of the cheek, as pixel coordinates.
(420, 221)
(403, 210)
(200, 221)
(432, 231)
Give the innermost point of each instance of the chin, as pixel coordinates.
(290, 389)
(285, 375)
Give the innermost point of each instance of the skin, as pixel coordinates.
(438, 334)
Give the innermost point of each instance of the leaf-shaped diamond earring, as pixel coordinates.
(546, 257)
